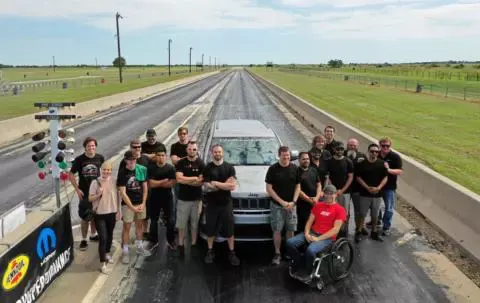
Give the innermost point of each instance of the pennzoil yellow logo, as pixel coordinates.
(15, 272)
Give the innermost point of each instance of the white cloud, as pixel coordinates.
(389, 19)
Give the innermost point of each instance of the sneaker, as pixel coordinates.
(358, 237)
(125, 258)
(210, 256)
(103, 268)
(234, 260)
(83, 245)
(276, 260)
(109, 259)
(386, 232)
(364, 232)
(142, 250)
(94, 238)
(376, 237)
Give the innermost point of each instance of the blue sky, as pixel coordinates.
(239, 31)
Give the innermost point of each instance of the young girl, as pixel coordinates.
(104, 196)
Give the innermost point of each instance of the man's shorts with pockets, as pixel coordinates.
(128, 215)
(219, 220)
(281, 217)
(188, 210)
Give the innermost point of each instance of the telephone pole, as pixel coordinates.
(53, 63)
(190, 60)
(118, 48)
(209, 62)
(202, 61)
(169, 42)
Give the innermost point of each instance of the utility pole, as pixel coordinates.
(190, 60)
(118, 47)
(96, 63)
(53, 63)
(169, 42)
(215, 62)
(210, 62)
(202, 61)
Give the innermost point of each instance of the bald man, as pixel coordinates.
(357, 157)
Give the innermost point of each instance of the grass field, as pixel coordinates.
(111, 73)
(441, 133)
(79, 91)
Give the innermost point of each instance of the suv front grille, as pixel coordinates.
(263, 203)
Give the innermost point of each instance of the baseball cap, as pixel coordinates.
(338, 144)
(330, 189)
(129, 155)
(151, 132)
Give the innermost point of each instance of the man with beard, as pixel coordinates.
(340, 174)
(372, 175)
(190, 177)
(87, 165)
(220, 180)
(150, 146)
(330, 140)
(283, 186)
(310, 190)
(356, 157)
(319, 157)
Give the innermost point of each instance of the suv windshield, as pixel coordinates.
(248, 150)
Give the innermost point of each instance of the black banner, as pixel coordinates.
(28, 268)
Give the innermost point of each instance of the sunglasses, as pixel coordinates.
(137, 147)
(385, 145)
(373, 151)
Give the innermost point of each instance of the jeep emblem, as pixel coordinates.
(252, 195)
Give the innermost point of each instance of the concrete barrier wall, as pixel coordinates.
(16, 128)
(453, 208)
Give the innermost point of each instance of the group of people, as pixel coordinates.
(310, 201)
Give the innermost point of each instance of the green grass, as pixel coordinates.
(22, 104)
(441, 133)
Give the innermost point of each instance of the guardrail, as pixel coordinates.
(451, 207)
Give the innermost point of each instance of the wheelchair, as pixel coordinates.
(332, 264)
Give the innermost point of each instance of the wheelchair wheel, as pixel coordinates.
(341, 259)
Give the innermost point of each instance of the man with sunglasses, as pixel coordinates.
(310, 190)
(393, 163)
(136, 149)
(372, 175)
(319, 157)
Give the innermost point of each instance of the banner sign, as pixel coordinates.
(29, 267)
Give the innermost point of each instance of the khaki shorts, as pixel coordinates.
(128, 215)
(282, 218)
(188, 210)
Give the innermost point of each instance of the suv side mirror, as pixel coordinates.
(294, 155)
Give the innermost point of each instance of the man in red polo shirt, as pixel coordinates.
(321, 230)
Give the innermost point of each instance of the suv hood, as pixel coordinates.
(251, 182)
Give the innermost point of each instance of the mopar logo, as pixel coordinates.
(252, 195)
(46, 244)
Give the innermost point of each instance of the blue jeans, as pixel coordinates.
(390, 199)
(293, 244)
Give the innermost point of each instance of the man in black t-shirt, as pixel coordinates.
(356, 157)
(136, 149)
(220, 180)
(178, 151)
(393, 163)
(161, 179)
(330, 137)
(371, 174)
(319, 157)
(340, 175)
(150, 146)
(283, 186)
(310, 190)
(189, 175)
(87, 165)
(133, 187)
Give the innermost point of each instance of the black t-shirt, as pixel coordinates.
(372, 174)
(220, 173)
(308, 180)
(329, 146)
(394, 162)
(338, 171)
(190, 169)
(151, 149)
(88, 170)
(158, 173)
(359, 157)
(178, 149)
(283, 180)
(133, 187)
(322, 169)
(143, 160)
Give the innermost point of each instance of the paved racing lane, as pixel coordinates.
(382, 272)
(18, 173)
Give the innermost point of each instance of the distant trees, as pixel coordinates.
(119, 61)
(335, 63)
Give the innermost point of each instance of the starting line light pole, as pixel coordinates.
(56, 153)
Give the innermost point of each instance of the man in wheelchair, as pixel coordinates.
(321, 230)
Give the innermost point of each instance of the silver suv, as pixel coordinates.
(251, 147)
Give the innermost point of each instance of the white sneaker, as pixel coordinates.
(109, 259)
(125, 258)
(141, 250)
(103, 269)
